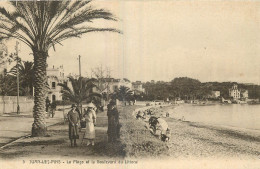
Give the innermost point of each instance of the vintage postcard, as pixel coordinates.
(130, 84)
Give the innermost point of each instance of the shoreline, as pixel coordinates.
(196, 140)
(170, 109)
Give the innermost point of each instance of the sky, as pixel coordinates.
(164, 39)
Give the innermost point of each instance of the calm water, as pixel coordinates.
(233, 115)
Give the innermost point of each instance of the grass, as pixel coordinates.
(137, 139)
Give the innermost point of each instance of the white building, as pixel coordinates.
(234, 92)
(244, 94)
(237, 94)
(111, 85)
(215, 94)
(137, 87)
(55, 75)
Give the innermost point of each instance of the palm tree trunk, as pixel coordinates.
(40, 78)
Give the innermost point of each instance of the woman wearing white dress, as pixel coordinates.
(90, 117)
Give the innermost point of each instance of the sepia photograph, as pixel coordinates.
(130, 84)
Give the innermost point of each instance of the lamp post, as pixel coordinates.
(80, 81)
(17, 75)
(79, 66)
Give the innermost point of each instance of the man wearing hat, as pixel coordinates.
(74, 119)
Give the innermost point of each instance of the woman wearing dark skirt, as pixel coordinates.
(74, 119)
(113, 122)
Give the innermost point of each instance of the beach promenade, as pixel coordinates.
(15, 126)
(189, 140)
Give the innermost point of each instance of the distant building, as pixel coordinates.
(55, 76)
(137, 87)
(234, 92)
(112, 85)
(237, 94)
(214, 94)
(244, 94)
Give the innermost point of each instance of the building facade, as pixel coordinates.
(244, 94)
(215, 94)
(234, 92)
(237, 94)
(137, 87)
(111, 85)
(55, 75)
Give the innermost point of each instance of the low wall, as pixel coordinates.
(9, 105)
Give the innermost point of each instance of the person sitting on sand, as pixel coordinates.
(166, 135)
(167, 114)
(139, 115)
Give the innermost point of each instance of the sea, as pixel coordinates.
(241, 116)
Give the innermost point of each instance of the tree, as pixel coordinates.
(25, 70)
(3, 54)
(187, 87)
(124, 93)
(103, 80)
(41, 25)
(79, 90)
(7, 86)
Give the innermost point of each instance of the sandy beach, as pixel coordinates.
(199, 140)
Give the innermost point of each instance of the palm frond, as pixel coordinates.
(42, 24)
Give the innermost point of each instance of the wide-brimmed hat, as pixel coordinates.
(73, 105)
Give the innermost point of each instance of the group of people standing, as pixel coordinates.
(50, 107)
(89, 119)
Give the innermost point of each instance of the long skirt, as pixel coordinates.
(90, 131)
(73, 132)
(112, 128)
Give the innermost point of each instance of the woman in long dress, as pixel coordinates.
(74, 120)
(113, 122)
(90, 117)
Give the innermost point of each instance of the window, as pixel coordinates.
(53, 98)
(53, 85)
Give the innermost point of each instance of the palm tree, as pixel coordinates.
(124, 93)
(7, 86)
(25, 70)
(41, 25)
(79, 90)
